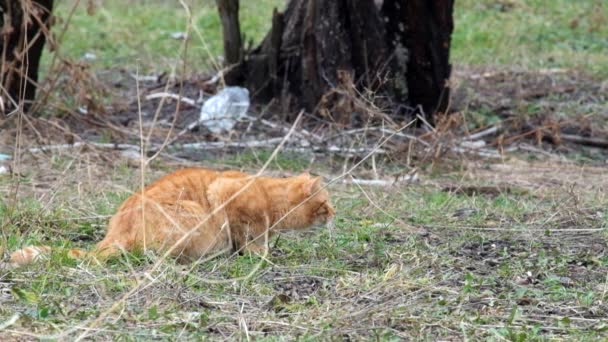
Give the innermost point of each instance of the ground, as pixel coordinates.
(507, 244)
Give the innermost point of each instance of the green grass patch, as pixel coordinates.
(460, 279)
(284, 161)
(140, 33)
(532, 34)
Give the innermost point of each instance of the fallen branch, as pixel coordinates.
(381, 182)
(515, 229)
(120, 147)
(588, 141)
(479, 152)
(228, 144)
(360, 150)
(212, 145)
(303, 133)
(382, 130)
(12, 320)
(549, 71)
(529, 148)
(483, 190)
(172, 96)
(273, 141)
(536, 93)
(144, 78)
(473, 145)
(482, 134)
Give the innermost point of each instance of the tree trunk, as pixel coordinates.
(24, 27)
(424, 28)
(322, 55)
(229, 15)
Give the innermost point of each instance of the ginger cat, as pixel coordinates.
(194, 212)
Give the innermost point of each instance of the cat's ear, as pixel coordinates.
(312, 185)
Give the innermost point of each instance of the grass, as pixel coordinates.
(409, 261)
(532, 34)
(539, 276)
(139, 34)
(529, 34)
(285, 161)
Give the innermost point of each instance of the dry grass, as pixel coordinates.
(511, 246)
(429, 264)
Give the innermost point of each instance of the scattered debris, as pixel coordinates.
(215, 145)
(130, 154)
(48, 148)
(147, 78)
(382, 182)
(12, 320)
(182, 99)
(4, 169)
(482, 190)
(89, 56)
(589, 141)
(179, 35)
(216, 78)
(465, 212)
(473, 145)
(483, 153)
(278, 302)
(481, 134)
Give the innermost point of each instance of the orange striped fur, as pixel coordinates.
(195, 212)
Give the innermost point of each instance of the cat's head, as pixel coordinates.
(310, 202)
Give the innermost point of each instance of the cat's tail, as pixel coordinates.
(29, 254)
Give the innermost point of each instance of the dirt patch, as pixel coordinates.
(507, 91)
(536, 177)
(297, 287)
(491, 250)
(491, 191)
(545, 112)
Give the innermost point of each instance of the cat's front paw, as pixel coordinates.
(253, 248)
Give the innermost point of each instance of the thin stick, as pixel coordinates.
(589, 141)
(482, 134)
(163, 95)
(142, 155)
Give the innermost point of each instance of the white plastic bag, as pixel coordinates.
(221, 112)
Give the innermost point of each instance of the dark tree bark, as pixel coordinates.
(424, 28)
(24, 25)
(229, 15)
(319, 54)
